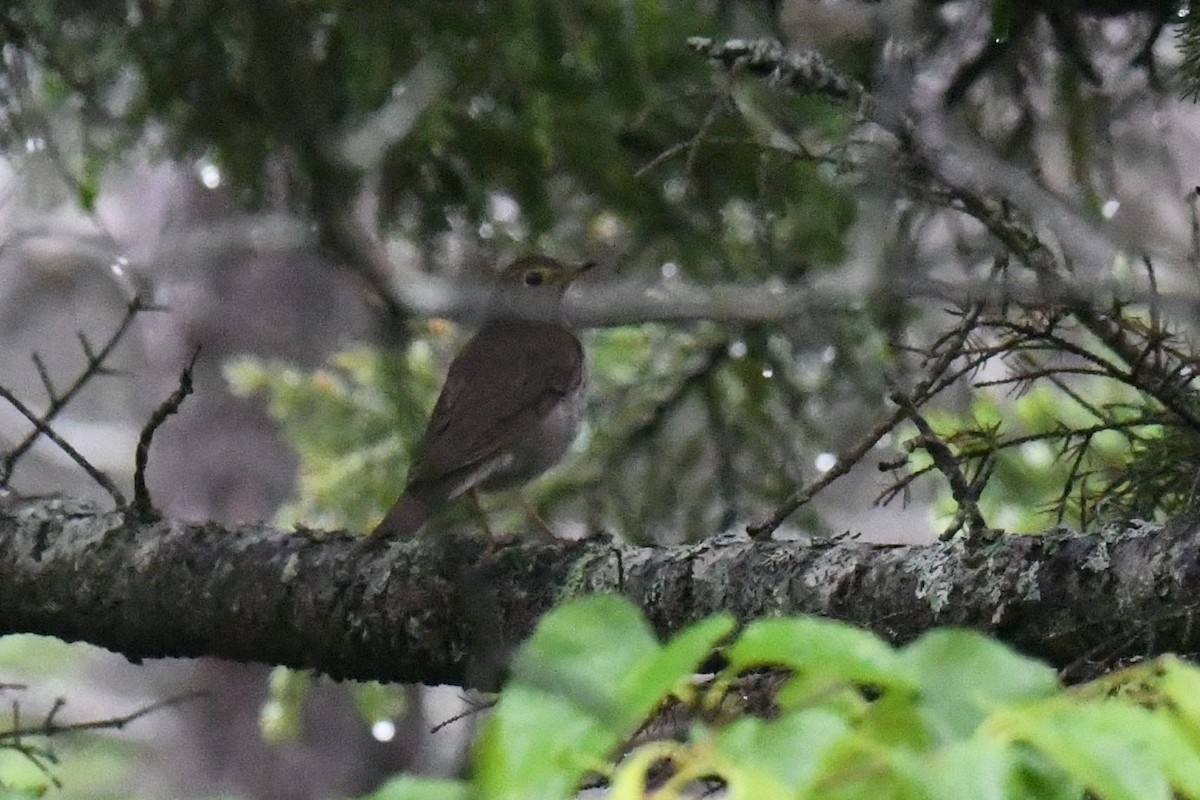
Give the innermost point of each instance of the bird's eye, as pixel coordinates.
(533, 278)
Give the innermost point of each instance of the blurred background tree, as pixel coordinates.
(311, 187)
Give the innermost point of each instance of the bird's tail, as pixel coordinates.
(404, 519)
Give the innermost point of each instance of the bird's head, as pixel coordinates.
(532, 286)
(536, 271)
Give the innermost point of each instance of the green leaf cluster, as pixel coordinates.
(352, 436)
(1049, 456)
(950, 715)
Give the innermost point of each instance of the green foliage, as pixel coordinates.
(1189, 47)
(541, 101)
(1002, 12)
(592, 697)
(352, 436)
(1053, 460)
(409, 788)
(951, 715)
(280, 717)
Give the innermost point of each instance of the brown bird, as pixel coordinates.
(512, 402)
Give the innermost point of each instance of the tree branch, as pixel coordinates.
(431, 612)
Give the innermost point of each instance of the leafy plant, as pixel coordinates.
(951, 715)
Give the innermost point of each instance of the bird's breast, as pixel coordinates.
(525, 457)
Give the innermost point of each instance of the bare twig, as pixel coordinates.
(50, 727)
(142, 505)
(44, 429)
(1112, 331)
(94, 366)
(952, 175)
(965, 491)
(692, 145)
(952, 348)
(44, 374)
(474, 706)
(42, 756)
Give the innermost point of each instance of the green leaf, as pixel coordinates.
(964, 676)
(538, 745)
(978, 768)
(782, 757)
(24, 792)
(650, 682)
(586, 680)
(572, 655)
(895, 721)
(1180, 685)
(407, 787)
(1108, 747)
(1038, 776)
(820, 651)
(629, 781)
(1177, 752)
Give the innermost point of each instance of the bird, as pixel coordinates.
(512, 403)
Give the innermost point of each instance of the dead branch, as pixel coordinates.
(95, 366)
(142, 505)
(44, 429)
(42, 756)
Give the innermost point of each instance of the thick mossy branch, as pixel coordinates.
(432, 612)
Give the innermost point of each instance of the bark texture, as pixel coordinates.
(449, 611)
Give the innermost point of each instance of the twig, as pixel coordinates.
(474, 707)
(142, 505)
(1036, 257)
(926, 389)
(44, 374)
(43, 757)
(1075, 473)
(1193, 199)
(966, 492)
(44, 429)
(48, 727)
(94, 366)
(724, 447)
(691, 145)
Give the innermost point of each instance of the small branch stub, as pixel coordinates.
(142, 505)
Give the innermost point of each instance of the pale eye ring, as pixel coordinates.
(534, 278)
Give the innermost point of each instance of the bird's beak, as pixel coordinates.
(576, 270)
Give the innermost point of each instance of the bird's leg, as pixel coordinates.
(473, 499)
(546, 533)
(494, 542)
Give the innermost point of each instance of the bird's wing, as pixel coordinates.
(506, 378)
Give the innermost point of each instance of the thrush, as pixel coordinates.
(512, 402)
